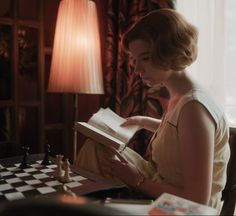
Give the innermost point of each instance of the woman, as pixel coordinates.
(188, 151)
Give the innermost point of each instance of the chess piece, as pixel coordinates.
(24, 163)
(58, 171)
(63, 190)
(66, 178)
(46, 160)
(1, 178)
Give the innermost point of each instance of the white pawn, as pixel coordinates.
(66, 178)
(58, 171)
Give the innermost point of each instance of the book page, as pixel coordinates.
(107, 118)
(96, 121)
(98, 135)
(104, 127)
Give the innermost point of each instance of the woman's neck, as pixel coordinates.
(178, 84)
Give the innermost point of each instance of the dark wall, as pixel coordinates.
(56, 110)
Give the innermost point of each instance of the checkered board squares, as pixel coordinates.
(35, 181)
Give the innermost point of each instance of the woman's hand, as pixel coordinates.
(134, 121)
(143, 122)
(119, 167)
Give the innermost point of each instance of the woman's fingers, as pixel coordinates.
(127, 122)
(131, 121)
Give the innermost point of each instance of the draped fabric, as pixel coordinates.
(215, 66)
(124, 91)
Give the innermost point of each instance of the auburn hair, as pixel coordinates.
(172, 38)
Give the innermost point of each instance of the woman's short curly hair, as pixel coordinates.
(172, 38)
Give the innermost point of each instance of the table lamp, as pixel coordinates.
(76, 57)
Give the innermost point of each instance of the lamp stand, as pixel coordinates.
(75, 131)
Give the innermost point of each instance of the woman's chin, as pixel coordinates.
(147, 83)
(153, 85)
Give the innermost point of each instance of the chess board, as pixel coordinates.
(38, 180)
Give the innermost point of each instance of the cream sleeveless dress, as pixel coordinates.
(164, 164)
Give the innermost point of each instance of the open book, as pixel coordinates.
(104, 127)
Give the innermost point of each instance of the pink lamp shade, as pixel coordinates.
(76, 59)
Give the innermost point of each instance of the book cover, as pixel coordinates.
(168, 204)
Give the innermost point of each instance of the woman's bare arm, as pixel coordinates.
(144, 122)
(196, 133)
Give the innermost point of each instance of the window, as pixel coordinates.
(215, 67)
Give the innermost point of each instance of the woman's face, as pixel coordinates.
(151, 75)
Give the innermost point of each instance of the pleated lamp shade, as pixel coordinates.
(76, 59)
